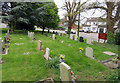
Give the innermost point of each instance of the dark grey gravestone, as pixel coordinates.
(81, 39)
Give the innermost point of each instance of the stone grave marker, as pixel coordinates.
(56, 33)
(71, 36)
(5, 39)
(39, 45)
(66, 35)
(109, 53)
(47, 54)
(59, 34)
(53, 36)
(65, 72)
(89, 41)
(76, 37)
(89, 52)
(81, 39)
(62, 34)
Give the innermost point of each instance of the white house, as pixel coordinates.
(94, 25)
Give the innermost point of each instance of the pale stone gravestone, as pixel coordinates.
(65, 72)
(109, 53)
(89, 41)
(62, 34)
(66, 35)
(71, 36)
(76, 37)
(28, 34)
(89, 52)
(59, 34)
(39, 45)
(32, 35)
(47, 54)
(53, 36)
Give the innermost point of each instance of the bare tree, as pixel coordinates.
(73, 8)
(112, 10)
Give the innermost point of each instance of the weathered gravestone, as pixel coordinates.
(53, 36)
(46, 34)
(56, 33)
(62, 34)
(71, 36)
(65, 73)
(66, 35)
(81, 39)
(5, 39)
(39, 45)
(59, 34)
(89, 41)
(89, 52)
(47, 54)
(76, 37)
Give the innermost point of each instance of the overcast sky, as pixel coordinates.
(88, 14)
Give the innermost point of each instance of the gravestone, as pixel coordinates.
(47, 54)
(89, 52)
(56, 33)
(39, 45)
(53, 32)
(46, 34)
(81, 39)
(3, 44)
(66, 35)
(65, 72)
(62, 34)
(59, 34)
(71, 36)
(76, 37)
(109, 53)
(53, 36)
(89, 41)
(5, 39)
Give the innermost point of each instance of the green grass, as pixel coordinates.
(20, 67)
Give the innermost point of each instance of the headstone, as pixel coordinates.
(53, 32)
(5, 39)
(89, 52)
(81, 39)
(46, 34)
(59, 34)
(65, 72)
(47, 54)
(53, 36)
(89, 41)
(39, 45)
(76, 37)
(56, 33)
(62, 34)
(71, 36)
(66, 35)
(3, 44)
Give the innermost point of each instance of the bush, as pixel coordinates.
(117, 37)
(53, 63)
(110, 38)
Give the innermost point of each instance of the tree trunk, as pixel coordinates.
(43, 30)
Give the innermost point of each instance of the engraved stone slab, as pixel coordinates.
(65, 72)
(89, 52)
(39, 45)
(109, 53)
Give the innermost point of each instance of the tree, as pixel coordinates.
(47, 16)
(73, 9)
(112, 10)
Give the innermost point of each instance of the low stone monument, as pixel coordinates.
(81, 39)
(47, 54)
(59, 34)
(65, 72)
(71, 36)
(89, 41)
(62, 34)
(76, 37)
(53, 36)
(89, 52)
(66, 35)
(39, 45)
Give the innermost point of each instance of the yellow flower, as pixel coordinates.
(81, 49)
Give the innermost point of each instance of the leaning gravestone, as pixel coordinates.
(89, 41)
(66, 35)
(71, 36)
(47, 54)
(89, 52)
(62, 34)
(53, 36)
(39, 45)
(65, 72)
(76, 37)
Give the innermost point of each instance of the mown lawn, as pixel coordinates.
(32, 67)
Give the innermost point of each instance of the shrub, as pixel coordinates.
(117, 37)
(110, 38)
(53, 63)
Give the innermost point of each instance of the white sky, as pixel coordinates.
(88, 14)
